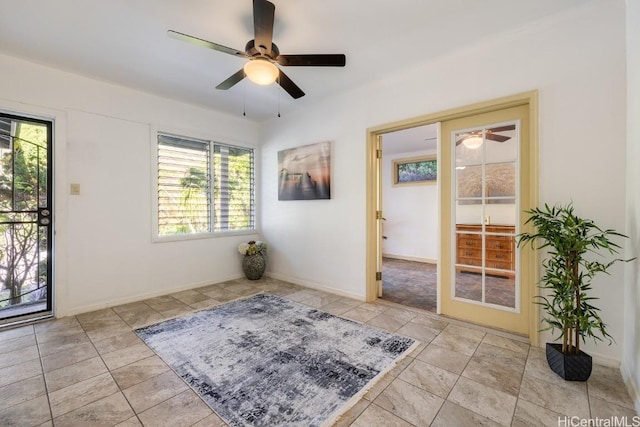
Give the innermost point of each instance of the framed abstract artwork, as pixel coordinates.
(305, 172)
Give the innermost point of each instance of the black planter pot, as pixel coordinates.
(571, 367)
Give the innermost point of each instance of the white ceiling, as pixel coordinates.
(125, 41)
(412, 140)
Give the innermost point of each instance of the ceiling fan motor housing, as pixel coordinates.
(251, 50)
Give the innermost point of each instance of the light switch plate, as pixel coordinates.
(75, 189)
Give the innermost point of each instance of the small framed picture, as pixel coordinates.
(415, 170)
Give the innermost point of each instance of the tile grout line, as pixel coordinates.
(396, 377)
(108, 369)
(446, 399)
(136, 414)
(44, 378)
(515, 408)
(193, 310)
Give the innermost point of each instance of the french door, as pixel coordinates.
(485, 160)
(26, 219)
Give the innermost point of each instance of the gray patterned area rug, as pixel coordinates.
(267, 361)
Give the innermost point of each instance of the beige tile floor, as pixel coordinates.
(92, 370)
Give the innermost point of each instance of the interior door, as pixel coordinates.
(484, 176)
(379, 218)
(25, 218)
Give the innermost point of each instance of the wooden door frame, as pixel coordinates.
(373, 236)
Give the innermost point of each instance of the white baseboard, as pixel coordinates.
(317, 286)
(410, 258)
(605, 360)
(139, 297)
(597, 358)
(632, 386)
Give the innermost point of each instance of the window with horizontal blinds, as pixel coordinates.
(203, 187)
(184, 201)
(233, 188)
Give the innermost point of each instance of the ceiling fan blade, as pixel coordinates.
(503, 128)
(205, 43)
(263, 16)
(498, 138)
(231, 81)
(322, 60)
(287, 84)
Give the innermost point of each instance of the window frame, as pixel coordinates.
(212, 141)
(397, 163)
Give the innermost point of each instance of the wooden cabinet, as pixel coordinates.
(499, 249)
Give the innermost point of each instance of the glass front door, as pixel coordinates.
(25, 218)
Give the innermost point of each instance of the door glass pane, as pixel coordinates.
(469, 263)
(485, 212)
(25, 218)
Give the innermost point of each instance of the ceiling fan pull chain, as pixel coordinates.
(278, 96)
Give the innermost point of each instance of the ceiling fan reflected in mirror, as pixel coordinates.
(263, 54)
(474, 140)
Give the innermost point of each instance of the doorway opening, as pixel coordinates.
(26, 220)
(410, 216)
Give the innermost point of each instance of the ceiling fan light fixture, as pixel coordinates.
(472, 142)
(261, 71)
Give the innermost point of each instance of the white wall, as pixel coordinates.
(411, 215)
(104, 253)
(577, 62)
(631, 356)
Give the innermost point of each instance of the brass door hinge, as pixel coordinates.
(378, 154)
(378, 276)
(378, 214)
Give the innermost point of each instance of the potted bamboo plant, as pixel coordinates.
(575, 249)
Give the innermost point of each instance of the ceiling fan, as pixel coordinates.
(263, 54)
(474, 139)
